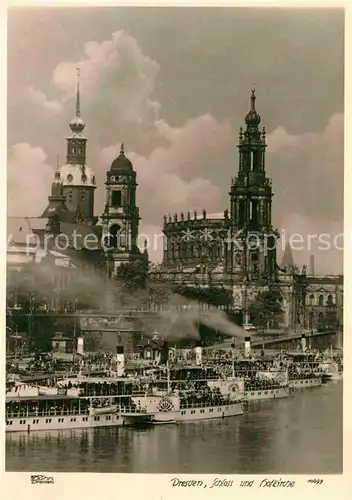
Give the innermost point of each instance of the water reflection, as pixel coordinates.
(300, 434)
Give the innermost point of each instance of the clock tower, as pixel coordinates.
(253, 237)
(121, 214)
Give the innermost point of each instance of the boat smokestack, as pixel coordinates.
(80, 346)
(247, 347)
(303, 343)
(311, 265)
(120, 361)
(199, 354)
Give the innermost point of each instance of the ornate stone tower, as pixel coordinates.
(121, 215)
(57, 205)
(78, 181)
(254, 257)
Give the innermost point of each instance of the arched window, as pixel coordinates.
(311, 300)
(330, 301)
(321, 300)
(114, 236)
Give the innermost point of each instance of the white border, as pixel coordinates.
(157, 487)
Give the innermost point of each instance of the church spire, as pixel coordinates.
(78, 104)
(77, 124)
(57, 177)
(253, 98)
(253, 118)
(287, 260)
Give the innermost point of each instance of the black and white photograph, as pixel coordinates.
(175, 242)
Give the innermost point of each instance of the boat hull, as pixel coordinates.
(305, 383)
(201, 413)
(47, 423)
(282, 392)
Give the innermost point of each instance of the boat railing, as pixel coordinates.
(204, 404)
(106, 396)
(131, 410)
(45, 413)
(303, 375)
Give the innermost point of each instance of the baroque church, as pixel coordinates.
(235, 250)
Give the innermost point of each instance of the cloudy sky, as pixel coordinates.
(173, 84)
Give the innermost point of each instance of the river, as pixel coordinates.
(301, 434)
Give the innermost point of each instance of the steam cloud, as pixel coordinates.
(178, 317)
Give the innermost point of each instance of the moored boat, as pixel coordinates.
(172, 409)
(91, 403)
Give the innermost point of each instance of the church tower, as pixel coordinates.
(57, 205)
(251, 204)
(77, 179)
(121, 215)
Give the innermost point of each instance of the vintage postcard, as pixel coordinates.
(174, 254)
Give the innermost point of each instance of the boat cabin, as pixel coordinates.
(154, 350)
(62, 344)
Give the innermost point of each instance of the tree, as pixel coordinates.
(133, 276)
(159, 294)
(215, 296)
(267, 306)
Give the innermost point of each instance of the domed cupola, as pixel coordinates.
(77, 125)
(121, 164)
(253, 118)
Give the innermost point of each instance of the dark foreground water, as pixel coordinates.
(298, 435)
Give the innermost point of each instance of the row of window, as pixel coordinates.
(60, 420)
(210, 410)
(78, 151)
(311, 300)
(315, 381)
(259, 393)
(175, 252)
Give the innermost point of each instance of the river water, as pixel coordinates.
(301, 434)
